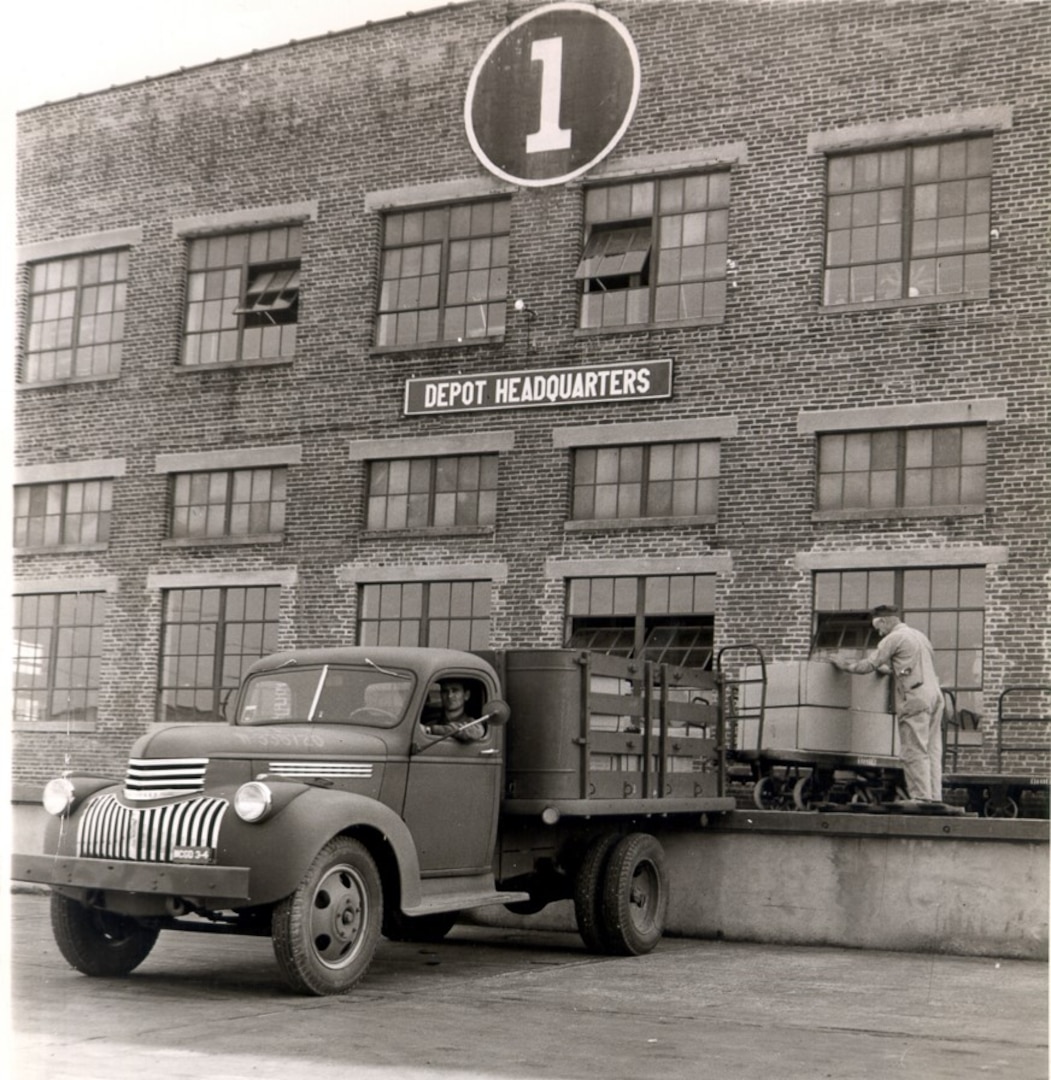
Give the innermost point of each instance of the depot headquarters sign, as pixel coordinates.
(550, 386)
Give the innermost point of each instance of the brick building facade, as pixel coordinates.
(790, 307)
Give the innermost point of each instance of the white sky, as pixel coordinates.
(60, 48)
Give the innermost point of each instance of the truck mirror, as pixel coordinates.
(497, 712)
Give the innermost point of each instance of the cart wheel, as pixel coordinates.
(1000, 806)
(803, 793)
(769, 793)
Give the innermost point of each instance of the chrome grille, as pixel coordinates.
(162, 778)
(109, 830)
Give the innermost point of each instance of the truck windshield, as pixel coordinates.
(325, 694)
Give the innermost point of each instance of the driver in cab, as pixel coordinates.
(455, 721)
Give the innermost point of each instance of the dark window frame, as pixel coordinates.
(242, 627)
(890, 218)
(456, 245)
(84, 287)
(419, 613)
(50, 644)
(650, 488)
(634, 617)
(893, 478)
(274, 508)
(670, 251)
(382, 505)
(242, 296)
(63, 491)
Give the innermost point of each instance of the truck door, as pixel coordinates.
(453, 790)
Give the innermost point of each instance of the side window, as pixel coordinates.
(655, 251)
(444, 274)
(909, 222)
(228, 503)
(57, 656)
(65, 513)
(669, 619)
(243, 296)
(648, 480)
(439, 614)
(936, 467)
(432, 493)
(75, 320)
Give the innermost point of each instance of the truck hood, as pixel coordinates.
(272, 741)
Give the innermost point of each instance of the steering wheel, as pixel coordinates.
(372, 710)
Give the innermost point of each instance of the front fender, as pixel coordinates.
(280, 848)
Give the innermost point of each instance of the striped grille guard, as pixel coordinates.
(110, 830)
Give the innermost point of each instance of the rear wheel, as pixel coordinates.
(97, 942)
(635, 898)
(588, 891)
(325, 934)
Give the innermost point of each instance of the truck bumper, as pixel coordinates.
(211, 885)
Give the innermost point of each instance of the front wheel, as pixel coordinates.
(635, 897)
(98, 942)
(325, 934)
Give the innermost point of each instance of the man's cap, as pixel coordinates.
(881, 611)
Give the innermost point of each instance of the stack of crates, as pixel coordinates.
(813, 706)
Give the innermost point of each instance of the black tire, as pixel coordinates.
(97, 942)
(423, 928)
(588, 888)
(325, 934)
(635, 899)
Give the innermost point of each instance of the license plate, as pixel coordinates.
(186, 854)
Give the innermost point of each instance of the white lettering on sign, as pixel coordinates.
(549, 136)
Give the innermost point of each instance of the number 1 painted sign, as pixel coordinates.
(552, 94)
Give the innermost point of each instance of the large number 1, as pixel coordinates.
(549, 136)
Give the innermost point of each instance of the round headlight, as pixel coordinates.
(252, 801)
(58, 796)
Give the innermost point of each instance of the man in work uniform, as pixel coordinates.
(906, 654)
(456, 722)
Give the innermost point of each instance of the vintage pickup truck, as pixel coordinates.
(325, 813)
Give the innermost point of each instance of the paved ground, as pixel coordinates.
(494, 1004)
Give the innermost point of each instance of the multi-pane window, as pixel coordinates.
(243, 296)
(75, 324)
(440, 614)
(444, 273)
(669, 619)
(655, 251)
(442, 492)
(57, 654)
(946, 603)
(647, 480)
(909, 222)
(71, 512)
(228, 502)
(902, 467)
(209, 638)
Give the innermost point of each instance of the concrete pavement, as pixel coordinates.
(500, 1004)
